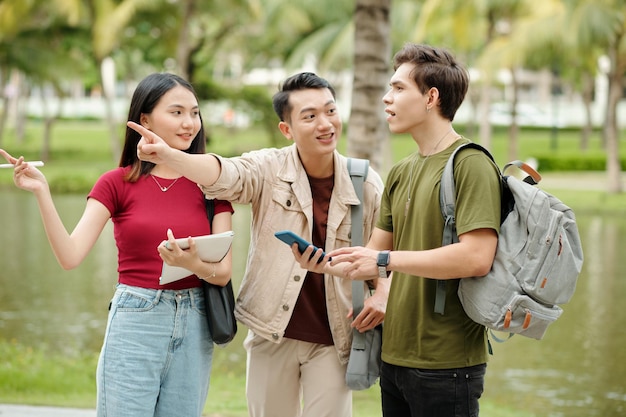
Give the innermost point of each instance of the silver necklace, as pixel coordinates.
(164, 189)
(408, 191)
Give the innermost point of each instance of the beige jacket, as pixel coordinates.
(275, 183)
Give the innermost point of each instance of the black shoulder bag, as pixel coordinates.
(219, 301)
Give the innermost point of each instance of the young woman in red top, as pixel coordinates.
(157, 350)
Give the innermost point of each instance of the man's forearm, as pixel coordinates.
(203, 169)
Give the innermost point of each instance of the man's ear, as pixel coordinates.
(285, 129)
(433, 96)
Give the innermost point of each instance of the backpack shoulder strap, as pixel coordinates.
(447, 202)
(358, 172)
(358, 169)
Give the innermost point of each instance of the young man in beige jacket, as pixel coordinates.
(300, 326)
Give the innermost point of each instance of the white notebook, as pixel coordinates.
(211, 248)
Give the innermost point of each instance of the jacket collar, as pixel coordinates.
(293, 169)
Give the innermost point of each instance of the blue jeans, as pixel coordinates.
(431, 392)
(156, 356)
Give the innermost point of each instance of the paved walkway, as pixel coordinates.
(7, 410)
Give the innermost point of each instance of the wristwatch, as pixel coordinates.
(383, 262)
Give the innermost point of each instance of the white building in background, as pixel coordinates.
(537, 105)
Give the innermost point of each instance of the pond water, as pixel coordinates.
(577, 370)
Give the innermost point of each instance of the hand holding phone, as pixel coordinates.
(290, 238)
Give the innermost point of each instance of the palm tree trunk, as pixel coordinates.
(184, 45)
(587, 96)
(474, 99)
(613, 168)
(484, 125)
(20, 111)
(4, 116)
(50, 117)
(368, 134)
(5, 101)
(514, 128)
(108, 94)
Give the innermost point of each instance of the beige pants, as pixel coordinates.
(295, 379)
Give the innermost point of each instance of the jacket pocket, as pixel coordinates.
(285, 199)
(344, 235)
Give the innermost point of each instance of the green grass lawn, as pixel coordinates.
(40, 377)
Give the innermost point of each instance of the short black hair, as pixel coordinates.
(300, 81)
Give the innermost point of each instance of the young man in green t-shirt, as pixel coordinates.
(433, 364)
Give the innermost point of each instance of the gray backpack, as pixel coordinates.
(537, 263)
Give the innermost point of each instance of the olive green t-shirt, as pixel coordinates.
(414, 335)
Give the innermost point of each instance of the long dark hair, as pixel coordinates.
(145, 98)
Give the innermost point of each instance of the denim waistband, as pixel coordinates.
(192, 293)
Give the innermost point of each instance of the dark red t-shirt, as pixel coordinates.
(309, 321)
(142, 213)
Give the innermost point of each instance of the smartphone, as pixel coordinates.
(290, 238)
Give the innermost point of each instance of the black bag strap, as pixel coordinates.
(210, 211)
(358, 173)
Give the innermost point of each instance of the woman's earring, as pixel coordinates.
(427, 109)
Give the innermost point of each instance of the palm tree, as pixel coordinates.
(304, 33)
(367, 130)
(207, 30)
(107, 20)
(604, 24)
(36, 41)
(15, 19)
(523, 40)
(468, 28)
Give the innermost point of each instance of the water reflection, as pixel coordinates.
(578, 369)
(42, 303)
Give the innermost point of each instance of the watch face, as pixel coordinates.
(383, 258)
(382, 262)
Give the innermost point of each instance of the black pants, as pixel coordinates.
(410, 392)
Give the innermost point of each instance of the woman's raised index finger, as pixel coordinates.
(145, 133)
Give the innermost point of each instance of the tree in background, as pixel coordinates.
(603, 24)
(108, 19)
(367, 130)
(219, 42)
(42, 50)
(511, 49)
